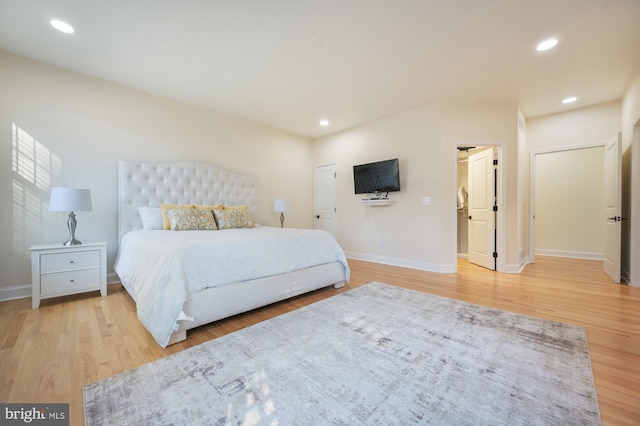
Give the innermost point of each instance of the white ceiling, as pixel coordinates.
(257, 59)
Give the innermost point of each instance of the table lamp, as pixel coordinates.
(70, 200)
(281, 205)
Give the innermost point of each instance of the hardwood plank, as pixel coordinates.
(49, 354)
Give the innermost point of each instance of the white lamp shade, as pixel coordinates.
(70, 200)
(281, 205)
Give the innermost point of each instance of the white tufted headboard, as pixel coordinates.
(151, 184)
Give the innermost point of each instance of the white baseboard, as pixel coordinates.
(405, 263)
(423, 266)
(24, 291)
(517, 268)
(112, 278)
(572, 254)
(15, 292)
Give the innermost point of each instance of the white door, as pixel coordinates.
(326, 199)
(612, 201)
(482, 218)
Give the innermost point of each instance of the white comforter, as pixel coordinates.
(162, 267)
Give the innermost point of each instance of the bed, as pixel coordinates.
(184, 279)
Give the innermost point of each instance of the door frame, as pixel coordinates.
(501, 240)
(532, 187)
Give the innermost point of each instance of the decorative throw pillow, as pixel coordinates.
(234, 218)
(151, 217)
(211, 207)
(165, 207)
(191, 220)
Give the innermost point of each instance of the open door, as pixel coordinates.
(325, 198)
(482, 217)
(613, 208)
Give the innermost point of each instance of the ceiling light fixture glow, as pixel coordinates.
(547, 44)
(62, 26)
(324, 123)
(569, 100)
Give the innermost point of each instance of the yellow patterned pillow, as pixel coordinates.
(233, 218)
(191, 219)
(211, 207)
(164, 207)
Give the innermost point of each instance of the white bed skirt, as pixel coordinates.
(216, 303)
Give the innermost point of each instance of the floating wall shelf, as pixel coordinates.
(377, 202)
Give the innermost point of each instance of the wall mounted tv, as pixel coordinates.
(379, 177)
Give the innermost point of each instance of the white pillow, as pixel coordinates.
(151, 217)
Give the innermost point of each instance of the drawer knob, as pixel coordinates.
(72, 261)
(72, 281)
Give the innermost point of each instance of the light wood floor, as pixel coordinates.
(49, 354)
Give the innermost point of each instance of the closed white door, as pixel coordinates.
(325, 198)
(613, 209)
(482, 217)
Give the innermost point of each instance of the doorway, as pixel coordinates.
(478, 194)
(325, 203)
(571, 196)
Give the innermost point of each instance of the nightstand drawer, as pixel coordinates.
(66, 282)
(58, 262)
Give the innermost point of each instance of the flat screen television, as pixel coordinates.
(379, 177)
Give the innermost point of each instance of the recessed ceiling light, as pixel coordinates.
(62, 26)
(547, 44)
(569, 100)
(324, 123)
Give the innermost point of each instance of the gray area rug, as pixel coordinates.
(376, 354)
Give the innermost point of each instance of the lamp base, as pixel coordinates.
(71, 224)
(71, 242)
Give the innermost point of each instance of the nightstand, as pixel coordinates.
(58, 270)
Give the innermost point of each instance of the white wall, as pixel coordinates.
(405, 233)
(570, 203)
(484, 123)
(82, 126)
(582, 127)
(631, 181)
(408, 233)
(524, 209)
(578, 127)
